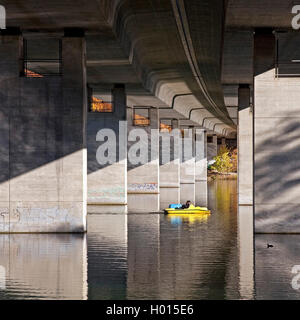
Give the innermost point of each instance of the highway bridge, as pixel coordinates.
(225, 69)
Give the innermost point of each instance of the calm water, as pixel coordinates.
(153, 256)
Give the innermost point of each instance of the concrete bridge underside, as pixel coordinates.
(189, 61)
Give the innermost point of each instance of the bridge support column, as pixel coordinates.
(276, 137)
(187, 167)
(169, 174)
(245, 147)
(212, 148)
(107, 181)
(201, 168)
(42, 141)
(143, 174)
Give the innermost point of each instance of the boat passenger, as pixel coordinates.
(186, 205)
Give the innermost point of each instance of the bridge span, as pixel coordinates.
(83, 85)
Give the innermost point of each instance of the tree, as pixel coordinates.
(223, 162)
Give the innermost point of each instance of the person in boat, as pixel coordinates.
(186, 205)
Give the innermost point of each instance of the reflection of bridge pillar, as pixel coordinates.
(212, 148)
(187, 167)
(143, 279)
(169, 174)
(107, 252)
(43, 266)
(107, 183)
(246, 252)
(143, 178)
(43, 153)
(245, 147)
(201, 168)
(276, 135)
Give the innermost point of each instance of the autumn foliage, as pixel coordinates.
(225, 161)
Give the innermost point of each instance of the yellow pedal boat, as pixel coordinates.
(190, 210)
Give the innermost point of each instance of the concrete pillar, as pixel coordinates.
(143, 174)
(187, 167)
(43, 151)
(201, 168)
(222, 144)
(212, 148)
(245, 147)
(169, 174)
(276, 137)
(107, 182)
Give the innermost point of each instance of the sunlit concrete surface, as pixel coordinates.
(245, 147)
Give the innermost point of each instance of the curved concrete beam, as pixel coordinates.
(156, 51)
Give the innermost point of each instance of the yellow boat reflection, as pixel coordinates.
(189, 218)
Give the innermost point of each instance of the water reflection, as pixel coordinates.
(179, 219)
(144, 245)
(107, 256)
(145, 256)
(152, 256)
(246, 255)
(43, 266)
(273, 266)
(165, 257)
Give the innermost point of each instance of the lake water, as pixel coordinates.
(152, 256)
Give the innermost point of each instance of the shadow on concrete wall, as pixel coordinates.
(37, 127)
(277, 172)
